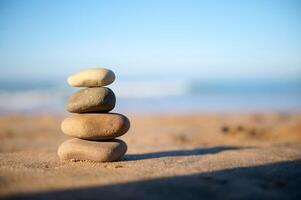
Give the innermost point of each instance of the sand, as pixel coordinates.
(224, 156)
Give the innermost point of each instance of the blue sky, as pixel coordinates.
(199, 39)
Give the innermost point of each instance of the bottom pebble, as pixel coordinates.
(98, 151)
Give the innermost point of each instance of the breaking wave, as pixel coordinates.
(157, 95)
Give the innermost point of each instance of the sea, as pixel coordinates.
(158, 95)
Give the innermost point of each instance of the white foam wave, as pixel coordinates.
(29, 101)
(150, 88)
(54, 99)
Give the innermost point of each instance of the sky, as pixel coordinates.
(192, 39)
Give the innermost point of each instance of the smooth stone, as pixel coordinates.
(94, 77)
(94, 126)
(99, 99)
(104, 151)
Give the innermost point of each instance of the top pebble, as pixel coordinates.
(95, 77)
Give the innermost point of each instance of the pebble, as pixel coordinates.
(100, 126)
(83, 150)
(95, 77)
(99, 99)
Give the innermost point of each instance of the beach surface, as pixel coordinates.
(225, 156)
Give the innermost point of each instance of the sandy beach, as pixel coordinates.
(228, 156)
(150, 100)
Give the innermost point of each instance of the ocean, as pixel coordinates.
(159, 95)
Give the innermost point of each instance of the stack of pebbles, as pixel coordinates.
(94, 129)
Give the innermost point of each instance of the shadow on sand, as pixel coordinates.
(190, 152)
(274, 181)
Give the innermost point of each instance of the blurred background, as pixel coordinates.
(168, 56)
